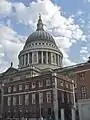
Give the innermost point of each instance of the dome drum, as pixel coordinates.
(40, 57)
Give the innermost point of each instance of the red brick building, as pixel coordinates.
(81, 75)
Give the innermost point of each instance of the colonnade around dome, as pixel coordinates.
(40, 57)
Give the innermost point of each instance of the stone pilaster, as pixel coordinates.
(55, 99)
(32, 57)
(37, 57)
(46, 57)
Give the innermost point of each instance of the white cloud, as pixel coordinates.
(64, 30)
(10, 45)
(84, 50)
(5, 8)
(84, 53)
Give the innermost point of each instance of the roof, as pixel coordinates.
(10, 70)
(39, 34)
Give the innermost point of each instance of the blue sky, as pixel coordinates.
(67, 20)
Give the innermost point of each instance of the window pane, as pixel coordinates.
(14, 100)
(9, 89)
(20, 100)
(20, 87)
(40, 83)
(9, 101)
(27, 99)
(33, 99)
(48, 97)
(33, 85)
(27, 86)
(62, 97)
(14, 88)
(48, 82)
(40, 98)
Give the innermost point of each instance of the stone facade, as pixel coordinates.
(22, 94)
(37, 88)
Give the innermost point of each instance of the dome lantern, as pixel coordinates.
(39, 24)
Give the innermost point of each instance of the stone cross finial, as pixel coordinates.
(39, 16)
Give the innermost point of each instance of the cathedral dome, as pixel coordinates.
(40, 50)
(40, 35)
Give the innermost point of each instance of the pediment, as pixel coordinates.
(10, 71)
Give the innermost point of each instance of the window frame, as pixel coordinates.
(9, 89)
(20, 87)
(34, 97)
(26, 99)
(40, 84)
(33, 87)
(14, 100)
(48, 82)
(49, 99)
